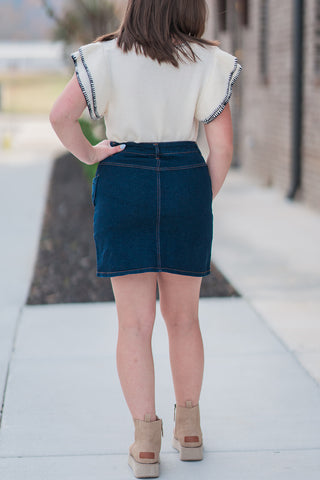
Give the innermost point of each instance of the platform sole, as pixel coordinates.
(144, 470)
(188, 454)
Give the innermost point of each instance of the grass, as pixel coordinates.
(35, 93)
(30, 93)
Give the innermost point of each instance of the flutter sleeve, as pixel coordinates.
(220, 74)
(92, 74)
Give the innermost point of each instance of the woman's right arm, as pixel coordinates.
(64, 117)
(219, 135)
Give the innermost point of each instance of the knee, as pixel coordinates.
(137, 325)
(181, 322)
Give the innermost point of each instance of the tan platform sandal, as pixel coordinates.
(187, 435)
(144, 453)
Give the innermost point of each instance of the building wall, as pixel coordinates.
(310, 191)
(266, 103)
(265, 122)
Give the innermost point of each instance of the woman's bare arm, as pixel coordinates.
(64, 117)
(219, 135)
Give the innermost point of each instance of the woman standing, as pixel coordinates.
(153, 81)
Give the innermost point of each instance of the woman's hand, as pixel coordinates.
(103, 150)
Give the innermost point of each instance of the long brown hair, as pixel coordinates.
(162, 29)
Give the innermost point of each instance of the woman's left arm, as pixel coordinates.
(64, 117)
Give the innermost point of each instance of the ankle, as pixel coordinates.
(187, 403)
(148, 417)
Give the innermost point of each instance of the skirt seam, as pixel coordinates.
(161, 154)
(155, 269)
(158, 217)
(146, 167)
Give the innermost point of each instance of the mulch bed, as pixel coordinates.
(65, 270)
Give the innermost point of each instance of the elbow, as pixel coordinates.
(59, 118)
(54, 117)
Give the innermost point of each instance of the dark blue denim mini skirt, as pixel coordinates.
(153, 210)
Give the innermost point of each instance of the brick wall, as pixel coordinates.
(311, 124)
(266, 107)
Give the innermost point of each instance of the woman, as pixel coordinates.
(153, 81)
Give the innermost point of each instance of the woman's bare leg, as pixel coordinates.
(179, 302)
(135, 296)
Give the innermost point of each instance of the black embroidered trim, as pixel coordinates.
(93, 90)
(231, 80)
(74, 58)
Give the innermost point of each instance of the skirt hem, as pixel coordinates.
(154, 269)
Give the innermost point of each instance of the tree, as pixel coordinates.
(82, 21)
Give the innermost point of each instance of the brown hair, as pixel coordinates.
(162, 29)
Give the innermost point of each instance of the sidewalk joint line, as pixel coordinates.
(206, 451)
(13, 345)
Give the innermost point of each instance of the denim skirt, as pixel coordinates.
(153, 210)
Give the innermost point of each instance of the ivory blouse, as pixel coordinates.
(144, 101)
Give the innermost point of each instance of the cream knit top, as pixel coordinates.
(144, 101)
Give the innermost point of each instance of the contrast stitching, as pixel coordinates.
(168, 153)
(158, 215)
(130, 165)
(140, 154)
(184, 167)
(156, 269)
(222, 105)
(178, 153)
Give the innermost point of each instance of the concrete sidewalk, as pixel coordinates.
(64, 415)
(269, 248)
(25, 167)
(24, 175)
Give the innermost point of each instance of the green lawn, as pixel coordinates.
(30, 93)
(35, 94)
